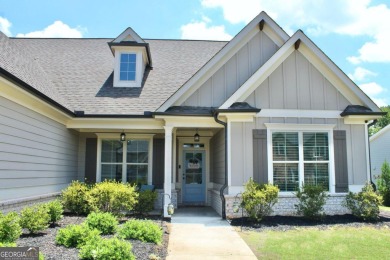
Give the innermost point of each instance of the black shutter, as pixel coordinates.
(158, 163)
(90, 160)
(340, 160)
(260, 160)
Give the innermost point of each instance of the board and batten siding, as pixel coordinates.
(380, 152)
(234, 73)
(217, 158)
(38, 156)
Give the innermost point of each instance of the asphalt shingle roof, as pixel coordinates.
(78, 73)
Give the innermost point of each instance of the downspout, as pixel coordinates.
(369, 151)
(224, 186)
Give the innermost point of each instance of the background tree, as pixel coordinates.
(384, 183)
(382, 122)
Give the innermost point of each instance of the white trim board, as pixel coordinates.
(299, 113)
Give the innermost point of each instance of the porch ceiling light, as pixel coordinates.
(123, 137)
(196, 136)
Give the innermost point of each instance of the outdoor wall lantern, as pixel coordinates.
(170, 209)
(196, 136)
(123, 137)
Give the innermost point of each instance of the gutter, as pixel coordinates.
(224, 186)
(369, 151)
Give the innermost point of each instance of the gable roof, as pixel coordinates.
(330, 70)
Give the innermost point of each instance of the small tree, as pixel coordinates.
(312, 199)
(258, 199)
(384, 183)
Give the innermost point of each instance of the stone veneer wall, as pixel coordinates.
(159, 201)
(285, 205)
(18, 204)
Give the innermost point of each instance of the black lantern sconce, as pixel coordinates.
(196, 136)
(123, 137)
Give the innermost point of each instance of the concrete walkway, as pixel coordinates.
(200, 233)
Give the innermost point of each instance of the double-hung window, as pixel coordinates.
(127, 161)
(128, 64)
(300, 157)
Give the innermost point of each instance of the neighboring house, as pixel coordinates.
(379, 150)
(277, 105)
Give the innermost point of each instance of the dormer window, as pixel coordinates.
(132, 56)
(128, 67)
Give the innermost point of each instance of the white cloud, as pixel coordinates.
(5, 25)
(361, 74)
(56, 30)
(347, 17)
(380, 102)
(372, 88)
(200, 30)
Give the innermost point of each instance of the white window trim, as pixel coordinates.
(106, 136)
(138, 69)
(272, 127)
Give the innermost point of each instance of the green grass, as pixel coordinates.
(384, 208)
(311, 243)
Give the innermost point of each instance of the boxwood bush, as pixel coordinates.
(10, 229)
(35, 218)
(112, 248)
(55, 210)
(312, 199)
(145, 202)
(76, 235)
(144, 230)
(76, 199)
(105, 222)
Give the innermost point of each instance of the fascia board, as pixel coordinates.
(132, 33)
(115, 123)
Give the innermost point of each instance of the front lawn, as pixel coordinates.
(313, 243)
(384, 208)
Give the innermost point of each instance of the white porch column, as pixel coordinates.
(167, 169)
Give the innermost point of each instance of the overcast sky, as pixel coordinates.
(355, 34)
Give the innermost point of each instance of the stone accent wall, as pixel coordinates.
(285, 205)
(159, 201)
(18, 204)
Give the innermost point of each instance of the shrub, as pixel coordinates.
(35, 218)
(10, 229)
(101, 248)
(7, 244)
(312, 199)
(111, 196)
(144, 230)
(75, 198)
(106, 223)
(145, 202)
(76, 235)
(364, 204)
(258, 199)
(55, 210)
(384, 183)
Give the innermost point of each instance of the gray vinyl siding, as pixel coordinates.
(37, 155)
(217, 157)
(234, 73)
(297, 84)
(380, 151)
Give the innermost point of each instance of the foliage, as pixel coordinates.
(144, 230)
(10, 229)
(75, 198)
(105, 222)
(145, 201)
(312, 199)
(257, 200)
(7, 244)
(35, 218)
(55, 210)
(364, 204)
(76, 235)
(384, 183)
(382, 122)
(111, 196)
(112, 248)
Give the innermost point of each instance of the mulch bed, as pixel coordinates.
(46, 241)
(285, 223)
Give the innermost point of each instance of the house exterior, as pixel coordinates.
(265, 105)
(379, 151)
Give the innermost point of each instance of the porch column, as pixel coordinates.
(167, 169)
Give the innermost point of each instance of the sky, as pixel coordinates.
(355, 34)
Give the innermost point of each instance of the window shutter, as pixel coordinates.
(260, 163)
(90, 160)
(158, 163)
(340, 159)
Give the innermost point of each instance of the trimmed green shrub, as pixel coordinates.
(55, 210)
(144, 230)
(145, 202)
(112, 248)
(75, 198)
(10, 229)
(35, 218)
(384, 183)
(7, 244)
(111, 196)
(364, 204)
(76, 235)
(105, 222)
(258, 199)
(312, 199)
